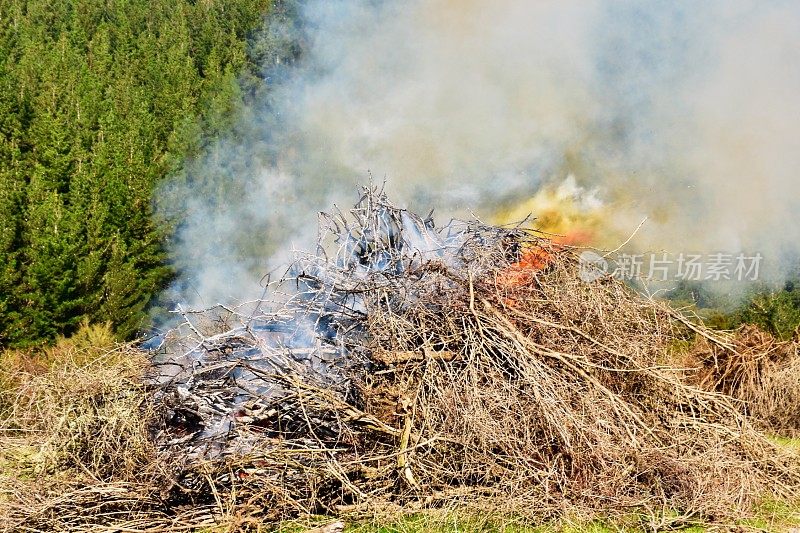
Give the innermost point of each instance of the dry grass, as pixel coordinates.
(74, 432)
(754, 367)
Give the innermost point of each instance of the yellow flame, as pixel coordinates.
(564, 209)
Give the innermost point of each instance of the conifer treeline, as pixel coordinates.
(100, 100)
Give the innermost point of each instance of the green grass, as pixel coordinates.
(771, 515)
(421, 523)
(789, 443)
(455, 522)
(775, 515)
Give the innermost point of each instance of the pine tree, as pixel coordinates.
(99, 104)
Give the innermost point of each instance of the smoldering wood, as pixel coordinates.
(403, 363)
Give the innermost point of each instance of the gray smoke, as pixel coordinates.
(685, 112)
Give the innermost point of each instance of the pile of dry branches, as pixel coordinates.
(754, 367)
(405, 366)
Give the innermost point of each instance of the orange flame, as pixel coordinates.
(538, 258)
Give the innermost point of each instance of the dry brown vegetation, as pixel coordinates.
(75, 438)
(559, 395)
(754, 367)
(537, 395)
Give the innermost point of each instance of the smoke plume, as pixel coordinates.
(684, 112)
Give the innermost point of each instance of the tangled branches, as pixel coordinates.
(405, 366)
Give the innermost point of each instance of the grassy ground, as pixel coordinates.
(772, 516)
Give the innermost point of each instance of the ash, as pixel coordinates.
(227, 377)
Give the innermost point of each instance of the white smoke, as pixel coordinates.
(714, 158)
(685, 112)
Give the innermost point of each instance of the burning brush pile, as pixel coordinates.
(408, 366)
(411, 364)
